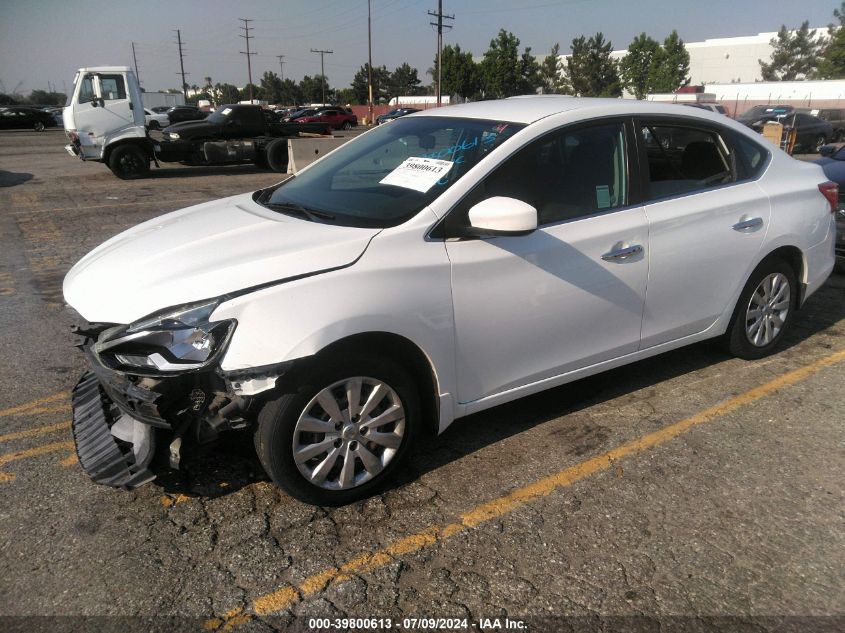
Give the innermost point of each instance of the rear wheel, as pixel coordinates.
(277, 155)
(821, 141)
(346, 125)
(129, 162)
(764, 311)
(338, 434)
(39, 126)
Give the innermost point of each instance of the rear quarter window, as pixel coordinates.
(751, 157)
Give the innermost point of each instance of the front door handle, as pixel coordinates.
(745, 224)
(620, 252)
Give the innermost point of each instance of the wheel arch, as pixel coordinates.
(402, 351)
(138, 142)
(793, 256)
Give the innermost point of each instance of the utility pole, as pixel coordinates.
(135, 59)
(322, 72)
(246, 28)
(369, 64)
(281, 67)
(440, 26)
(182, 65)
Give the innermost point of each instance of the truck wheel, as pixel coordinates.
(260, 160)
(129, 162)
(337, 434)
(277, 155)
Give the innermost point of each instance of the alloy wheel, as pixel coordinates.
(348, 433)
(767, 310)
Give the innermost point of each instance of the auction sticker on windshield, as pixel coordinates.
(417, 173)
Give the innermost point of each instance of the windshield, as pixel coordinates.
(389, 174)
(219, 115)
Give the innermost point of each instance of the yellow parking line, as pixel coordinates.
(35, 404)
(287, 596)
(31, 452)
(39, 430)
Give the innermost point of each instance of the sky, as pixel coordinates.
(43, 42)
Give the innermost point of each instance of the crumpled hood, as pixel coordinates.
(203, 252)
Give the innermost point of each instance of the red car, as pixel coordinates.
(338, 118)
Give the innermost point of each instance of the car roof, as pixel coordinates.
(528, 109)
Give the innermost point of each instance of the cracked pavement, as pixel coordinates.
(737, 524)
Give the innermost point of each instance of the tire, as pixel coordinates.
(39, 126)
(295, 418)
(260, 160)
(129, 162)
(277, 155)
(346, 126)
(821, 141)
(154, 125)
(743, 338)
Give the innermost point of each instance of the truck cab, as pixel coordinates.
(106, 107)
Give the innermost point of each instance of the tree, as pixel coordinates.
(226, 93)
(592, 71)
(552, 74)
(639, 66)
(672, 72)
(271, 87)
(291, 93)
(795, 55)
(243, 95)
(44, 98)
(312, 88)
(504, 72)
(403, 81)
(360, 84)
(460, 75)
(832, 58)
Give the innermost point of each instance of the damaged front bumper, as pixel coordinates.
(123, 421)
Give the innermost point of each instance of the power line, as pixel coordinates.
(440, 26)
(246, 28)
(182, 65)
(322, 72)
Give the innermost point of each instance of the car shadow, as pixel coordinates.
(12, 179)
(190, 171)
(231, 464)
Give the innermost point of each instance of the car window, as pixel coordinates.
(565, 175)
(684, 159)
(721, 109)
(86, 90)
(395, 170)
(751, 157)
(112, 87)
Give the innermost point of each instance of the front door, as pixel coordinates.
(570, 294)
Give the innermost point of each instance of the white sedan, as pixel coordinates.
(156, 121)
(451, 261)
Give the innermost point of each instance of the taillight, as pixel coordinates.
(830, 190)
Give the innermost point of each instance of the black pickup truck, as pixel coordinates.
(237, 133)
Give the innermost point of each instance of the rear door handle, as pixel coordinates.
(750, 223)
(621, 252)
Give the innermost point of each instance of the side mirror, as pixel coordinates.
(502, 216)
(827, 150)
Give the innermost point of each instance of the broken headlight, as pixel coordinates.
(177, 339)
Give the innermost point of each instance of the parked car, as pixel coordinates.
(161, 109)
(290, 116)
(395, 114)
(25, 117)
(337, 118)
(833, 164)
(836, 118)
(156, 121)
(432, 268)
(181, 113)
(812, 132)
(755, 113)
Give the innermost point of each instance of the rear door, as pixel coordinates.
(707, 219)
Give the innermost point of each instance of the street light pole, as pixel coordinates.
(370, 63)
(322, 72)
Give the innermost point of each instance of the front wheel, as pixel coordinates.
(39, 126)
(154, 125)
(277, 155)
(764, 311)
(346, 125)
(337, 436)
(129, 162)
(821, 141)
